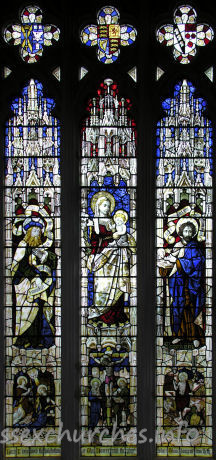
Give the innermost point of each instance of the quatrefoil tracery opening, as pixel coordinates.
(185, 35)
(108, 35)
(31, 34)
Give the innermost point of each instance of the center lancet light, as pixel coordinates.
(108, 260)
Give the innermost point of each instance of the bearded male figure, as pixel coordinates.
(33, 273)
(185, 268)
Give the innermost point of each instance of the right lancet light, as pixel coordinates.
(184, 276)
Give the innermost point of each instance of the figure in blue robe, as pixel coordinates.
(186, 288)
(95, 403)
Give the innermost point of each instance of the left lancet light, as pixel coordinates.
(31, 34)
(32, 271)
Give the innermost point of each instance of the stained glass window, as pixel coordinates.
(108, 283)
(106, 246)
(184, 275)
(33, 270)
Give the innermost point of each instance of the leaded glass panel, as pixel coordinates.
(32, 274)
(184, 276)
(108, 274)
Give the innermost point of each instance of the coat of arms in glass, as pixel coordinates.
(185, 35)
(108, 35)
(31, 34)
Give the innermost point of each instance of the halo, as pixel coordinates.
(95, 380)
(121, 379)
(187, 220)
(41, 387)
(185, 375)
(104, 194)
(123, 213)
(22, 377)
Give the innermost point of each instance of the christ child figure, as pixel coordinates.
(120, 234)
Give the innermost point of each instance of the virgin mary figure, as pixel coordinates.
(109, 263)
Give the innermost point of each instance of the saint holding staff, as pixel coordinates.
(184, 265)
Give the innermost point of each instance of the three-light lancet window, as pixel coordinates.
(112, 171)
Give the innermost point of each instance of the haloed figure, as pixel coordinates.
(33, 272)
(186, 286)
(109, 262)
